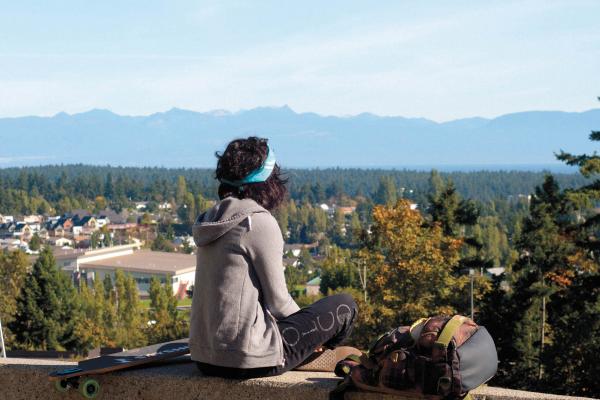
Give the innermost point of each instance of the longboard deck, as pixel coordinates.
(125, 359)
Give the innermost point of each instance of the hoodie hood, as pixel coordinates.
(220, 219)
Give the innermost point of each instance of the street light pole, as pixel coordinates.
(2, 341)
(472, 275)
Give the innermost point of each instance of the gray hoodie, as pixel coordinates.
(240, 289)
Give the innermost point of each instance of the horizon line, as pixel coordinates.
(214, 112)
(468, 168)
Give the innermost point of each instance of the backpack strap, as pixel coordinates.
(449, 330)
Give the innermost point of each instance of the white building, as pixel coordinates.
(4, 219)
(177, 269)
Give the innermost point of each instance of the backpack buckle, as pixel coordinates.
(444, 385)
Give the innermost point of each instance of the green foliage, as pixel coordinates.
(59, 189)
(35, 242)
(338, 271)
(90, 327)
(164, 320)
(13, 272)
(161, 244)
(95, 240)
(130, 317)
(572, 356)
(46, 309)
(387, 193)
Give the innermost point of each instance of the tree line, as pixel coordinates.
(61, 188)
(42, 309)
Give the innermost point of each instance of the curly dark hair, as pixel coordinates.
(240, 158)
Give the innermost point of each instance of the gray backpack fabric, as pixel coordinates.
(439, 356)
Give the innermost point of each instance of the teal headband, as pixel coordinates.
(258, 175)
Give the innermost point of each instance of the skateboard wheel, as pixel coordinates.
(62, 385)
(90, 388)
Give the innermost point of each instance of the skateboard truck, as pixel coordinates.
(88, 388)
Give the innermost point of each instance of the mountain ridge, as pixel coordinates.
(186, 138)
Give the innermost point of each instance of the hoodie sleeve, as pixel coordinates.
(264, 244)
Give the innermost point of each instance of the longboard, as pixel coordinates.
(90, 388)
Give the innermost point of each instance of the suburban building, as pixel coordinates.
(33, 219)
(6, 219)
(346, 210)
(313, 286)
(176, 269)
(295, 249)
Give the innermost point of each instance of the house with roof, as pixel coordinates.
(290, 262)
(23, 230)
(313, 287)
(346, 210)
(59, 241)
(43, 233)
(4, 219)
(60, 226)
(294, 249)
(165, 206)
(113, 217)
(85, 225)
(7, 229)
(33, 219)
(141, 205)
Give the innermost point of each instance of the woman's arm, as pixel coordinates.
(264, 244)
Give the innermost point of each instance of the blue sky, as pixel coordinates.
(441, 60)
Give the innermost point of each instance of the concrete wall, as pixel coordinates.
(27, 379)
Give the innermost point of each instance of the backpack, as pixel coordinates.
(440, 357)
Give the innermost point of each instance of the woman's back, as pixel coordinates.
(239, 283)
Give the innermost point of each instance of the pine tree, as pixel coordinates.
(572, 356)
(181, 190)
(47, 308)
(338, 271)
(111, 323)
(548, 262)
(35, 242)
(387, 193)
(13, 272)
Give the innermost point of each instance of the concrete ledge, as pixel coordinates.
(28, 379)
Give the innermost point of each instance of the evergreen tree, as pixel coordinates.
(161, 244)
(111, 324)
(387, 193)
(572, 356)
(109, 190)
(548, 262)
(13, 272)
(187, 209)
(35, 242)
(47, 308)
(95, 240)
(338, 271)
(181, 190)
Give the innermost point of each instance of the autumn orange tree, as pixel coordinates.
(411, 269)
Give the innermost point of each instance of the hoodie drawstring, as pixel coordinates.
(249, 222)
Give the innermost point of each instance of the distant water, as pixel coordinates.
(556, 168)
